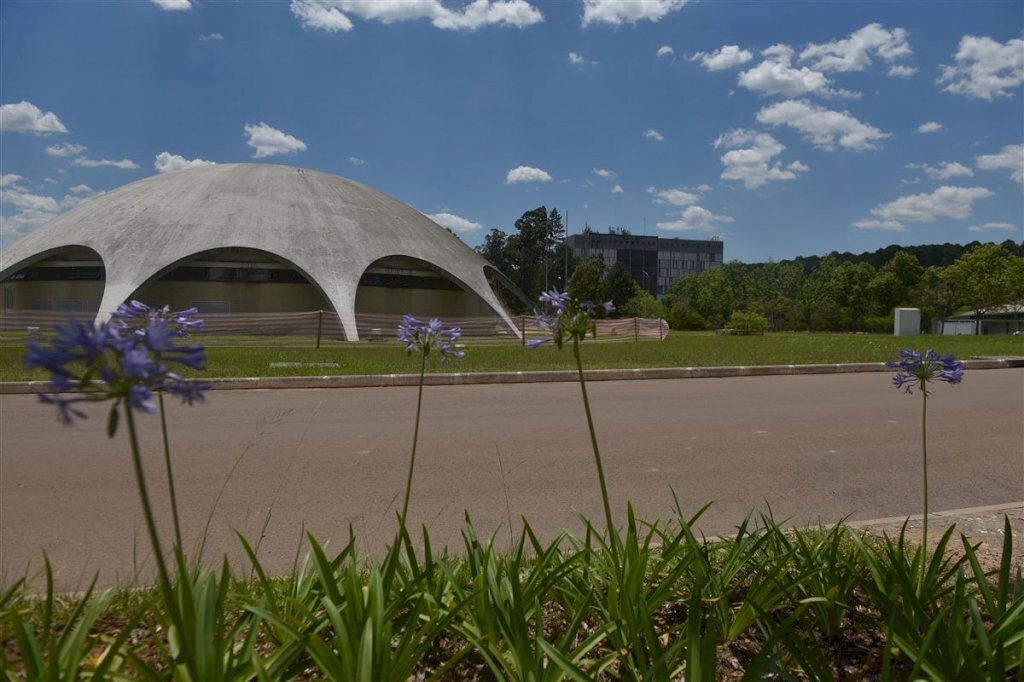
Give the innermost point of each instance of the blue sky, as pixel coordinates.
(787, 128)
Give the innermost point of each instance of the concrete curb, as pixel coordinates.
(463, 379)
(967, 511)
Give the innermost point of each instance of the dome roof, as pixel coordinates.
(328, 228)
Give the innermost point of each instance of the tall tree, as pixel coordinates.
(619, 285)
(496, 250)
(533, 235)
(587, 282)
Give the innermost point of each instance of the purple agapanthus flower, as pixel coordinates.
(136, 315)
(422, 337)
(122, 360)
(917, 370)
(566, 319)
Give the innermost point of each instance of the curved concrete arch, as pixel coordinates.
(43, 255)
(328, 227)
(28, 262)
(482, 291)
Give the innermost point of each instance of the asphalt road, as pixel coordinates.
(271, 464)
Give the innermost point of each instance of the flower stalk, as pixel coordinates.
(423, 337)
(570, 320)
(919, 370)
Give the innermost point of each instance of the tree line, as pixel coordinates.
(848, 294)
(836, 292)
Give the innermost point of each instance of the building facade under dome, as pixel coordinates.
(249, 238)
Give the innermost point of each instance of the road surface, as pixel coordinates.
(273, 463)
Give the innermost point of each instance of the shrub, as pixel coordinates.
(643, 305)
(748, 323)
(683, 319)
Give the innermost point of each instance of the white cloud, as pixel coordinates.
(320, 17)
(17, 196)
(617, 189)
(900, 71)
(675, 197)
(579, 60)
(25, 117)
(21, 223)
(986, 227)
(889, 225)
(985, 68)
(454, 222)
(356, 161)
(269, 141)
(605, 173)
(943, 171)
(211, 37)
(616, 12)
(724, 57)
(823, 127)
(165, 162)
(33, 209)
(526, 174)
(173, 5)
(750, 158)
(1011, 156)
(854, 52)
(124, 164)
(929, 127)
(695, 218)
(779, 78)
(332, 15)
(653, 134)
(65, 149)
(945, 202)
(665, 50)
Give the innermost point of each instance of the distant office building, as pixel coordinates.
(654, 262)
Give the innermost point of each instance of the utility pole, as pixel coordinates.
(565, 252)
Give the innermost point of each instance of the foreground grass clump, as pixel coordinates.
(819, 604)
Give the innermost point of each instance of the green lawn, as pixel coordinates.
(680, 349)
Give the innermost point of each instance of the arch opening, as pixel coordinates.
(69, 279)
(397, 285)
(234, 280)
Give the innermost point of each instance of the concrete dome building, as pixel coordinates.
(249, 238)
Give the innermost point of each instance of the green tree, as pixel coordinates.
(587, 281)
(935, 294)
(852, 282)
(496, 250)
(818, 303)
(772, 290)
(619, 285)
(987, 277)
(895, 283)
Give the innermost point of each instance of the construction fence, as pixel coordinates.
(320, 327)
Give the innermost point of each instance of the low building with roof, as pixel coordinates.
(249, 238)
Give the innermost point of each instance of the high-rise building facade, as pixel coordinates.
(653, 262)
